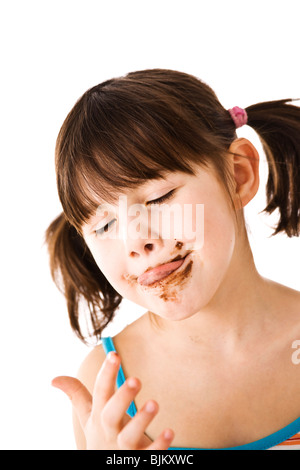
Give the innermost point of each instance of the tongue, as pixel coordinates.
(156, 274)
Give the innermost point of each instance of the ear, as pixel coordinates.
(245, 166)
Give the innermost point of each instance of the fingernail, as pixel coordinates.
(112, 357)
(168, 434)
(150, 407)
(132, 383)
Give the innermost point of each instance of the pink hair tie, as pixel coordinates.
(239, 116)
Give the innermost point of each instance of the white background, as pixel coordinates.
(51, 53)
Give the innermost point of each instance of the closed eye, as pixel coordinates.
(102, 230)
(161, 199)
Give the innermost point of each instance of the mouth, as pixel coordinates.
(153, 275)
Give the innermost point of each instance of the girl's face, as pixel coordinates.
(203, 233)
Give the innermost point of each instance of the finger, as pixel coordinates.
(105, 382)
(78, 394)
(114, 412)
(132, 435)
(163, 441)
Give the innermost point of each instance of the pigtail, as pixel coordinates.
(78, 277)
(278, 127)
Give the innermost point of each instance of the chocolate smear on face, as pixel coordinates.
(171, 286)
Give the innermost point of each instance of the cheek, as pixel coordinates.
(219, 239)
(209, 226)
(107, 259)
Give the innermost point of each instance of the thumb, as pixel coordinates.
(78, 394)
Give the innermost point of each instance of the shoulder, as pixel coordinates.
(91, 365)
(290, 306)
(285, 302)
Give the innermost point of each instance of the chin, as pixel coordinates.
(174, 311)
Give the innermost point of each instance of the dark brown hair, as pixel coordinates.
(128, 130)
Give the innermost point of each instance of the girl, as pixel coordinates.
(210, 364)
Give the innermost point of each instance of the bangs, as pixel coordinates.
(121, 134)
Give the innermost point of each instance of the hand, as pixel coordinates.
(103, 416)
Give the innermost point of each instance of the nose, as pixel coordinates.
(139, 238)
(140, 247)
